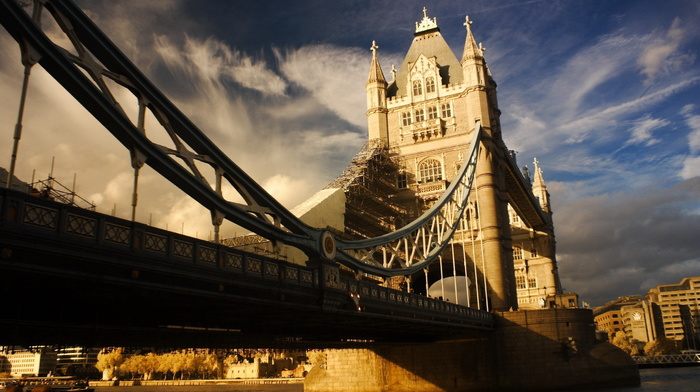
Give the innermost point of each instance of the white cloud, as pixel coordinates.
(642, 130)
(662, 52)
(335, 76)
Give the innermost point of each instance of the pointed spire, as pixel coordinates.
(539, 181)
(375, 70)
(471, 49)
(539, 189)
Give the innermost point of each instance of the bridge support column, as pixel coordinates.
(531, 350)
(495, 229)
(466, 365)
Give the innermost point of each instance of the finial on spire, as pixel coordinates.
(393, 72)
(426, 23)
(374, 48)
(467, 22)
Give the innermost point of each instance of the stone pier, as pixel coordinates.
(533, 350)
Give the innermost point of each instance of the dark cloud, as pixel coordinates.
(625, 243)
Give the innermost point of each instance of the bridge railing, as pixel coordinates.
(46, 225)
(669, 359)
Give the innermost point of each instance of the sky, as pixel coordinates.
(605, 94)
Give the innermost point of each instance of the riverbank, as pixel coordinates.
(219, 385)
(237, 381)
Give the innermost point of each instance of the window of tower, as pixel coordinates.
(420, 115)
(446, 110)
(520, 282)
(406, 118)
(402, 181)
(517, 253)
(430, 170)
(417, 87)
(532, 283)
(430, 85)
(432, 112)
(533, 253)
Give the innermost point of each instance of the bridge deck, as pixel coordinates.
(76, 274)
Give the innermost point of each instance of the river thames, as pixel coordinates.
(681, 379)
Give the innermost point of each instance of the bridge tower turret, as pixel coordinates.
(426, 117)
(377, 126)
(480, 93)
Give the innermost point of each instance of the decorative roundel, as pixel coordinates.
(328, 245)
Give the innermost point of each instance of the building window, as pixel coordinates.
(533, 253)
(432, 112)
(520, 282)
(532, 283)
(420, 115)
(446, 109)
(430, 85)
(406, 119)
(430, 170)
(402, 181)
(514, 218)
(417, 87)
(517, 253)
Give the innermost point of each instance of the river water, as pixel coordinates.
(680, 379)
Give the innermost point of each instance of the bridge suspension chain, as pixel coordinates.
(94, 63)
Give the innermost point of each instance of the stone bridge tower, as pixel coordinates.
(425, 117)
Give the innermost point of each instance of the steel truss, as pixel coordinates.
(94, 63)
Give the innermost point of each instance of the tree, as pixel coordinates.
(620, 340)
(109, 361)
(661, 346)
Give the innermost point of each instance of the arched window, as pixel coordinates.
(420, 115)
(406, 118)
(417, 87)
(430, 170)
(446, 110)
(430, 85)
(432, 112)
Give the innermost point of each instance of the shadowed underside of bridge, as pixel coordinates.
(75, 276)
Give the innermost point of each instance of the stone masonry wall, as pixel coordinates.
(532, 350)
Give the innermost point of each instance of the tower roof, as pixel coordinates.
(429, 42)
(375, 70)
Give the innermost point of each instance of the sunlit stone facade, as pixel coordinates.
(426, 115)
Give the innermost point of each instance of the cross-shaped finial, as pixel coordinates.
(374, 48)
(467, 22)
(425, 12)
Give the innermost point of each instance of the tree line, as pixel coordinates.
(184, 364)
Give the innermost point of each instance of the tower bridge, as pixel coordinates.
(434, 194)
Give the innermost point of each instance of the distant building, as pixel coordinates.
(77, 361)
(32, 362)
(679, 306)
(249, 368)
(608, 318)
(641, 322)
